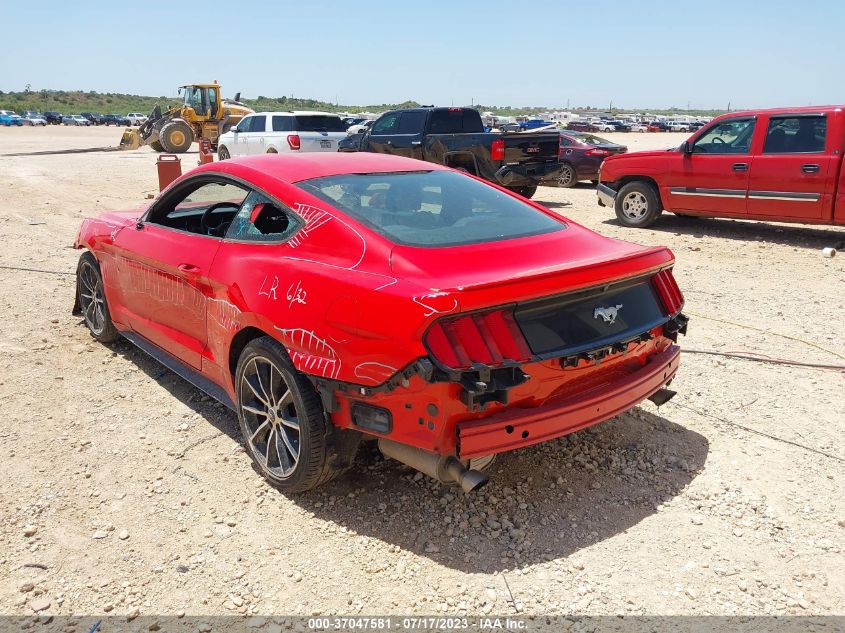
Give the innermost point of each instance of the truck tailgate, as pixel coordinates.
(539, 147)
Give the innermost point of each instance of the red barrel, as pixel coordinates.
(206, 155)
(169, 169)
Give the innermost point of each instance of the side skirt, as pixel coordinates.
(181, 369)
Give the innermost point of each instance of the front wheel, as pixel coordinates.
(223, 153)
(638, 205)
(281, 417)
(176, 137)
(91, 299)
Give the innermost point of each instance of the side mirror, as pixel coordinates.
(686, 147)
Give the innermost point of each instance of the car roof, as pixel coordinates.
(290, 168)
(295, 113)
(797, 110)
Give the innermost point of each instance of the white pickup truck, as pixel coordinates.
(281, 132)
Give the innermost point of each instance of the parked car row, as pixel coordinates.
(32, 117)
(612, 125)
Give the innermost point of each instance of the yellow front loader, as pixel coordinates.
(203, 114)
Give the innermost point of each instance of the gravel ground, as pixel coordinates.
(125, 491)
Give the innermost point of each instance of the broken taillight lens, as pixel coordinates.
(489, 338)
(669, 292)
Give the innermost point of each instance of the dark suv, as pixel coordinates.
(115, 119)
(94, 117)
(53, 118)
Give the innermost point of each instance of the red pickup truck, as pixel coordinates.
(783, 165)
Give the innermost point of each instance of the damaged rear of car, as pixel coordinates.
(531, 326)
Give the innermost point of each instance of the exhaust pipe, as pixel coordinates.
(662, 396)
(447, 469)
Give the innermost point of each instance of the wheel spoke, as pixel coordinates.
(256, 391)
(258, 430)
(267, 396)
(291, 423)
(294, 453)
(270, 442)
(254, 410)
(285, 400)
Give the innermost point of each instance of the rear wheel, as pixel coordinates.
(156, 146)
(223, 153)
(176, 137)
(638, 204)
(91, 299)
(568, 176)
(285, 431)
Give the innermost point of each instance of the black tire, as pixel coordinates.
(568, 176)
(176, 137)
(223, 153)
(267, 410)
(91, 299)
(638, 204)
(156, 146)
(272, 151)
(525, 192)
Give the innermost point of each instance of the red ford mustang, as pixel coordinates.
(333, 298)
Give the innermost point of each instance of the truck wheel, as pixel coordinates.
(568, 176)
(176, 137)
(223, 153)
(525, 192)
(156, 145)
(638, 205)
(285, 431)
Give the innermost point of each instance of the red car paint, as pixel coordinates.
(768, 180)
(352, 308)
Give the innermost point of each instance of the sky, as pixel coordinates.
(656, 54)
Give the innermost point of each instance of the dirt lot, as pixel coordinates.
(125, 490)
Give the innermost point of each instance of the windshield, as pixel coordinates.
(431, 208)
(319, 123)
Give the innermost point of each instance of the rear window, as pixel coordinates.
(319, 123)
(455, 121)
(431, 208)
(593, 140)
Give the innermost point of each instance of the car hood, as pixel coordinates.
(524, 268)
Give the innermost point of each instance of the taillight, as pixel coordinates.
(489, 338)
(497, 151)
(669, 292)
(596, 151)
(293, 141)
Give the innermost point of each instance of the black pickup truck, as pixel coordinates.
(455, 137)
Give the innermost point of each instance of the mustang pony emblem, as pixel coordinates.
(608, 314)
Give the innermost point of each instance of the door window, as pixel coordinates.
(728, 137)
(796, 135)
(386, 124)
(261, 220)
(245, 124)
(205, 208)
(258, 123)
(412, 122)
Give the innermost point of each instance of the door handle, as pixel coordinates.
(740, 166)
(189, 269)
(416, 142)
(810, 169)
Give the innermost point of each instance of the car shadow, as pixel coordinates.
(542, 503)
(798, 235)
(216, 414)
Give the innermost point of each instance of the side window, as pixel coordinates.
(283, 123)
(565, 141)
(728, 137)
(258, 124)
(412, 122)
(206, 208)
(245, 124)
(261, 220)
(796, 135)
(386, 124)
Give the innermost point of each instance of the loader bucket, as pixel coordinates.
(131, 139)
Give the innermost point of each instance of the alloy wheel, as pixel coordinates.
(91, 298)
(270, 416)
